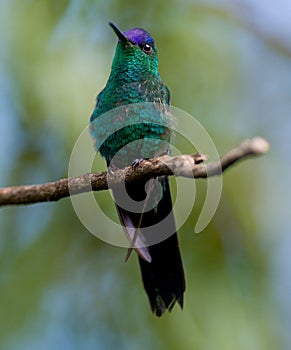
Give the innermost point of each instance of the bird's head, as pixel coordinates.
(136, 51)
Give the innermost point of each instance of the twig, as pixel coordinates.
(186, 165)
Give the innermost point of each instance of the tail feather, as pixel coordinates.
(161, 263)
(163, 277)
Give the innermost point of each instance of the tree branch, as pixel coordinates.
(191, 166)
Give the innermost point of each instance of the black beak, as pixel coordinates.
(119, 34)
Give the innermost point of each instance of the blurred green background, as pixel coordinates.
(227, 63)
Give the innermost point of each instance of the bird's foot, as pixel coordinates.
(112, 169)
(137, 162)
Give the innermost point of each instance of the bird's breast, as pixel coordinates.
(134, 123)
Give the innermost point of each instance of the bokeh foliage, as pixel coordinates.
(60, 287)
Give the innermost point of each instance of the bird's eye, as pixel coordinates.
(146, 48)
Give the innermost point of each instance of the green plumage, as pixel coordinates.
(134, 79)
(132, 121)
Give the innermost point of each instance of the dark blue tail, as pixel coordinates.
(161, 264)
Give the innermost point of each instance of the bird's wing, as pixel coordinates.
(99, 99)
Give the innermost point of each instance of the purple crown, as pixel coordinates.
(138, 36)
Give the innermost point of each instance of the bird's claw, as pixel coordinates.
(112, 169)
(136, 162)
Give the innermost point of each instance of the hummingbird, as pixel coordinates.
(135, 90)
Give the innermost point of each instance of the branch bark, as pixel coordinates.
(191, 166)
